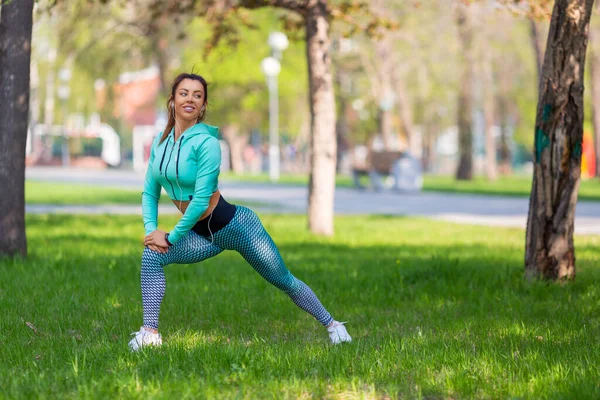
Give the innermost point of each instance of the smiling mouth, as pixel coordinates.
(189, 108)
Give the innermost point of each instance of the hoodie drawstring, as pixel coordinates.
(177, 160)
(163, 157)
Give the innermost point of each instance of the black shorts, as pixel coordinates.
(221, 215)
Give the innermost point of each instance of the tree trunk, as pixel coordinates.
(595, 82)
(465, 96)
(384, 68)
(341, 125)
(160, 49)
(322, 146)
(536, 42)
(385, 126)
(504, 153)
(428, 146)
(385, 100)
(16, 20)
(504, 117)
(237, 142)
(491, 167)
(549, 250)
(405, 111)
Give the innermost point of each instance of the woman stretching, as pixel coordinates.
(185, 160)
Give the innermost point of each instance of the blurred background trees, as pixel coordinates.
(402, 84)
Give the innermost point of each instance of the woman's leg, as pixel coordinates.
(246, 234)
(191, 249)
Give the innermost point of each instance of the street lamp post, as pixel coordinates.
(271, 67)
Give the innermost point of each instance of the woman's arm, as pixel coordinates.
(209, 164)
(151, 195)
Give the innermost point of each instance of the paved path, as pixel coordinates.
(460, 208)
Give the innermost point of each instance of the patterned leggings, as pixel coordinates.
(244, 234)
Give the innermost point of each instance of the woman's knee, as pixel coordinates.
(152, 259)
(285, 282)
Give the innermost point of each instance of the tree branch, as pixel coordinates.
(292, 5)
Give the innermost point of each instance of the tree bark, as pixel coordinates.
(16, 20)
(465, 96)
(550, 252)
(322, 146)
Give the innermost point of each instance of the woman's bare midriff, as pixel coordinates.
(214, 199)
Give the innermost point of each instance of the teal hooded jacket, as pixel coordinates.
(188, 169)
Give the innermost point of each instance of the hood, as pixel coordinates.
(201, 128)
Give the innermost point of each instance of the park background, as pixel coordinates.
(437, 309)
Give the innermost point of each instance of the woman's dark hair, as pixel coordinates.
(171, 110)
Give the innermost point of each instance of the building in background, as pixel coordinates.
(136, 97)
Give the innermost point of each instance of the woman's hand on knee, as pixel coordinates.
(155, 241)
(158, 249)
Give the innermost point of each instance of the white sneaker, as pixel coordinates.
(144, 338)
(338, 333)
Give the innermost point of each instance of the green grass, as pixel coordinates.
(519, 186)
(515, 185)
(71, 193)
(81, 194)
(64, 193)
(437, 311)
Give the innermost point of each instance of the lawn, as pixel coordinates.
(519, 186)
(516, 185)
(37, 192)
(436, 310)
(82, 194)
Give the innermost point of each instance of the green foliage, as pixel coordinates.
(436, 311)
(103, 40)
(237, 87)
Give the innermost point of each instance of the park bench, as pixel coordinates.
(381, 164)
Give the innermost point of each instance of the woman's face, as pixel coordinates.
(189, 100)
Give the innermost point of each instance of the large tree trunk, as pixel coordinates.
(16, 20)
(322, 149)
(465, 96)
(550, 252)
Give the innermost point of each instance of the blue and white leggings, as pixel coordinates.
(244, 234)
